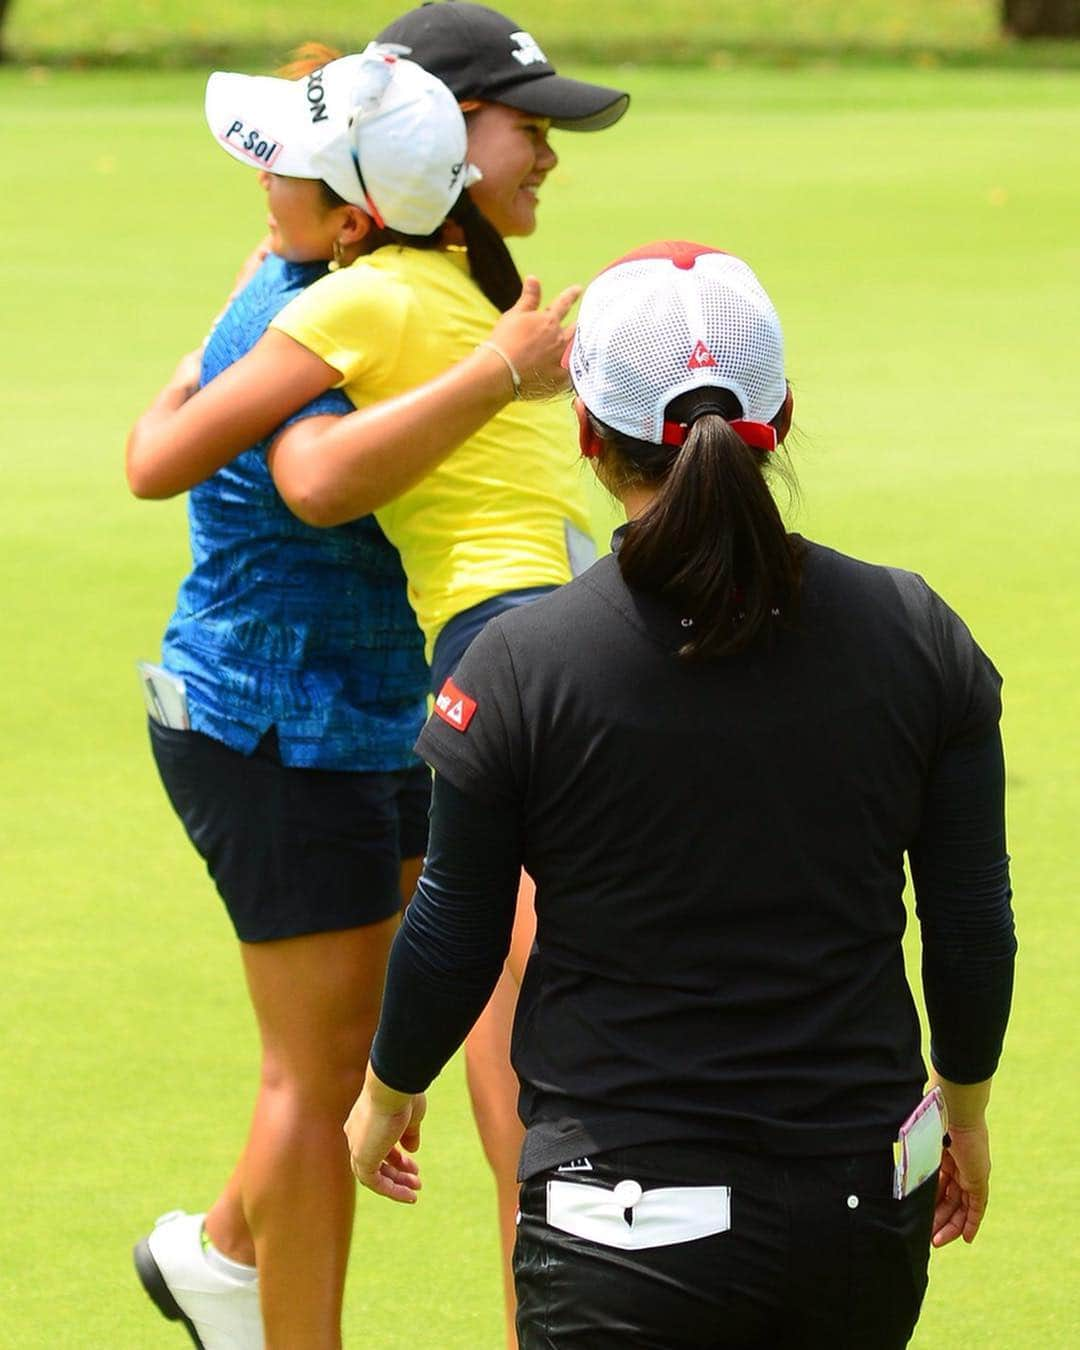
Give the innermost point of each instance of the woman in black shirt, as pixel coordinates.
(712, 752)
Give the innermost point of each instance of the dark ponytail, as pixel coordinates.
(712, 541)
(490, 263)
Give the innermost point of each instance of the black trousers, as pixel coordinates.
(818, 1255)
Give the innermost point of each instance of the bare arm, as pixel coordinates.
(333, 469)
(184, 436)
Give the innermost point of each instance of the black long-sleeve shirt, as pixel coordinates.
(718, 854)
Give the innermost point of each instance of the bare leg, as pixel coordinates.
(316, 999)
(226, 1223)
(493, 1087)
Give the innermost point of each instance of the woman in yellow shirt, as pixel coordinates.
(503, 518)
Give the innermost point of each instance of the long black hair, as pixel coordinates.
(712, 541)
(490, 262)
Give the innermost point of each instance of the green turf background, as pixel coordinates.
(664, 29)
(179, 32)
(918, 231)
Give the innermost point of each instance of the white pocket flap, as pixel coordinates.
(661, 1218)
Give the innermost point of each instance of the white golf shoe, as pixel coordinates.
(219, 1311)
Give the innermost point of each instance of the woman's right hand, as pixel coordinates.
(963, 1185)
(249, 267)
(381, 1124)
(535, 339)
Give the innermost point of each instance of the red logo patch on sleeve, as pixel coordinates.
(455, 708)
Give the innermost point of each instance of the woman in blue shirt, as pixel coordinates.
(305, 686)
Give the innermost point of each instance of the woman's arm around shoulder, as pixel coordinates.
(187, 434)
(332, 470)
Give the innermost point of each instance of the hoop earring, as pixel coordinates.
(337, 261)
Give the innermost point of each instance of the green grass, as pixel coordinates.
(199, 31)
(916, 228)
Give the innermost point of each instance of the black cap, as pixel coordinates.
(479, 53)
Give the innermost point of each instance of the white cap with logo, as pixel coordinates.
(383, 133)
(671, 317)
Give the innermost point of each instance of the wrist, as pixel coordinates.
(966, 1103)
(386, 1100)
(500, 355)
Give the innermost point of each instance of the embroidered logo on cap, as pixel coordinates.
(454, 707)
(700, 358)
(251, 142)
(528, 50)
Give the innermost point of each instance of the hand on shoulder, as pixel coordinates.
(534, 340)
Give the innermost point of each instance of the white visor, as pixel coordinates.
(383, 133)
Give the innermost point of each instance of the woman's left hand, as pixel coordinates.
(963, 1185)
(383, 1128)
(535, 340)
(186, 376)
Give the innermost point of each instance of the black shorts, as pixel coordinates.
(293, 851)
(806, 1254)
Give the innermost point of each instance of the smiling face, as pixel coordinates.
(511, 150)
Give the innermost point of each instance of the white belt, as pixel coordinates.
(632, 1219)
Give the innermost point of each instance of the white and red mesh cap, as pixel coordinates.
(668, 318)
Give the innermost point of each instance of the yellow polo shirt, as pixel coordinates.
(504, 510)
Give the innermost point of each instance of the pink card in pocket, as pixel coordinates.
(917, 1150)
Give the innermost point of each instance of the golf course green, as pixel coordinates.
(916, 225)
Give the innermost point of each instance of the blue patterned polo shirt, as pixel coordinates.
(283, 625)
